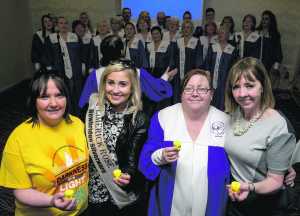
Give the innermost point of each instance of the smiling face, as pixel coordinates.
(51, 105)
(247, 94)
(143, 25)
(48, 24)
(118, 89)
(62, 25)
(248, 24)
(80, 30)
(265, 21)
(129, 31)
(103, 27)
(173, 25)
(84, 18)
(211, 29)
(193, 98)
(156, 35)
(227, 23)
(223, 35)
(187, 29)
(210, 16)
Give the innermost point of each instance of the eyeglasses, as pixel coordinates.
(202, 91)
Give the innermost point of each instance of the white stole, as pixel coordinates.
(66, 57)
(205, 43)
(162, 48)
(252, 37)
(218, 50)
(192, 43)
(97, 42)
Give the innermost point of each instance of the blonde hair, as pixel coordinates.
(250, 68)
(134, 101)
(185, 22)
(106, 21)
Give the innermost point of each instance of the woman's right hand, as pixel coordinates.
(59, 201)
(169, 74)
(170, 154)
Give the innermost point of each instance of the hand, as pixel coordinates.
(171, 73)
(170, 154)
(123, 180)
(290, 177)
(59, 201)
(241, 195)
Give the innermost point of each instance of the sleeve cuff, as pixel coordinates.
(37, 66)
(165, 77)
(276, 65)
(157, 157)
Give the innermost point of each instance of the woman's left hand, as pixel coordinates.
(59, 201)
(241, 195)
(123, 180)
(289, 179)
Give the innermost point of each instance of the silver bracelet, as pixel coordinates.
(251, 187)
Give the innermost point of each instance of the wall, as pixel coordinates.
(286, 11)
(22, 19)
(71, 9)
(15, 42)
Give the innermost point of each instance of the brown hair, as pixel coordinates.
(250, 68)
(194, 72)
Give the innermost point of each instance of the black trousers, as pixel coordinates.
(258, 205)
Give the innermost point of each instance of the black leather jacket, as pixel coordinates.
(128, 146)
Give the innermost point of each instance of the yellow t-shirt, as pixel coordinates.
(48, 159)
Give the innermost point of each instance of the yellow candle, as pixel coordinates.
(117, 173)
(69, 194)
(177, 144)
(235, 186)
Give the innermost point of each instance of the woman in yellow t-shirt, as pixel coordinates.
(47, 155)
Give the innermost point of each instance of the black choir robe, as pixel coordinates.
(186, 57)
(54, 56)
(219, 62)
(271, 51)
(38, 50)
(159, 61)
(136, 52)
(250, 46)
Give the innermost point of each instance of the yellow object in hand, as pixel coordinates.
(235, 186)
(177, 144)
(69, 194)
(117, 173)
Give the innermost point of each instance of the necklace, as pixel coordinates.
(239, 129)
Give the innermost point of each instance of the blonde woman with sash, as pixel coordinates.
(116, 129)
